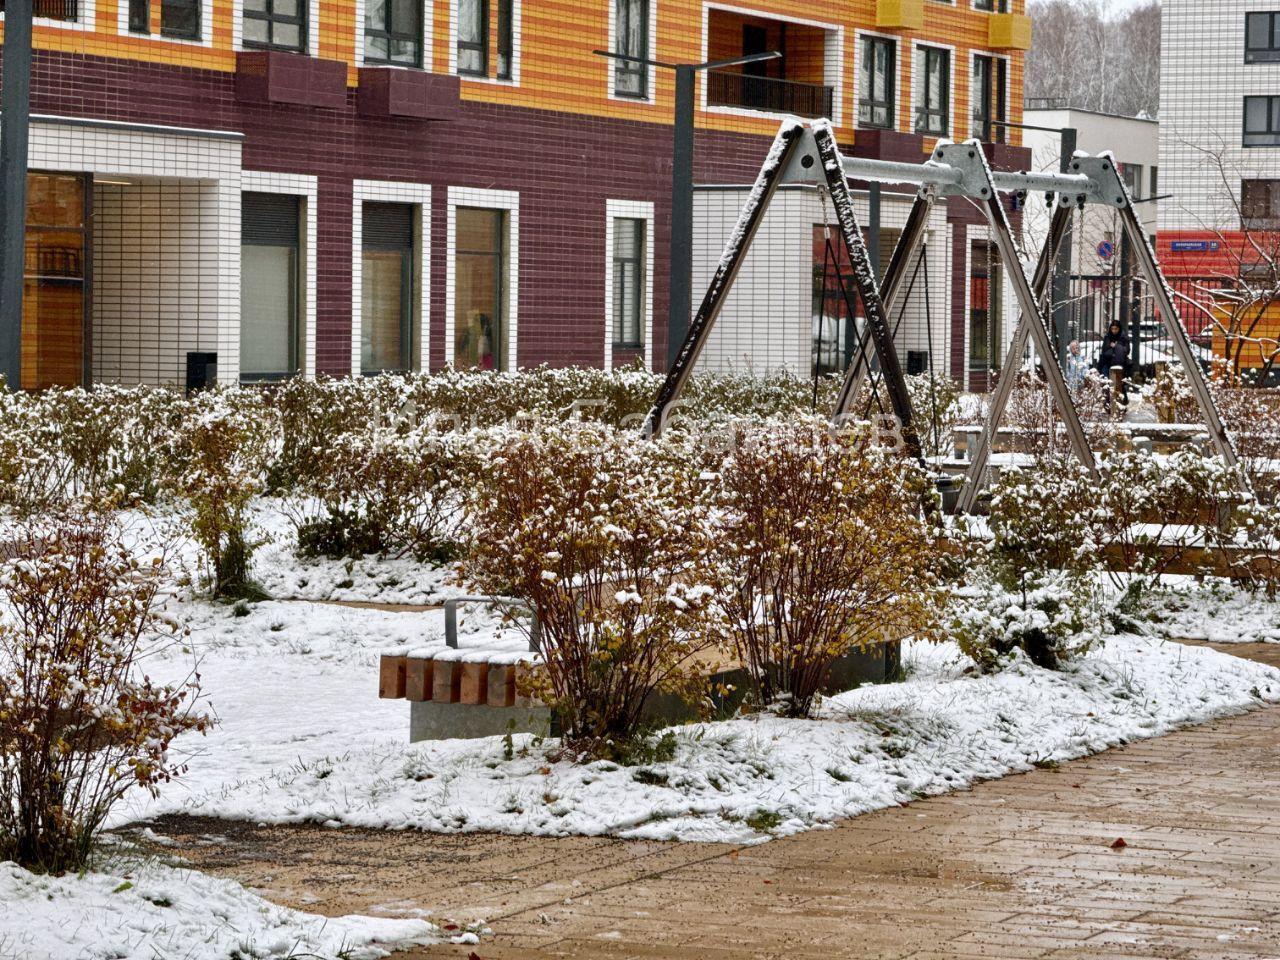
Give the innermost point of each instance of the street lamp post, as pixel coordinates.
(680, 265)
(15, 109)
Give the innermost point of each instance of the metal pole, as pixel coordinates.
(1062, 277)
(15, 115)
(680, 269)
(1127, 290)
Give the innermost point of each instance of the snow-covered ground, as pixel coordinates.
(303, 736)
(149, 910)
(1212, 610)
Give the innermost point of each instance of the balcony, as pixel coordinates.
(726, 89)
(799, 82)
(900, 14)
(1009, 31)
(65, 10)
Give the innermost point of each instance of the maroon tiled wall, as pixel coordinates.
(564, 166)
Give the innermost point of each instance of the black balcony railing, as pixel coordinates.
(726, 89)
(68, 10)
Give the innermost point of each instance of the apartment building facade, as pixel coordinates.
(1220, 157)
(273, 188)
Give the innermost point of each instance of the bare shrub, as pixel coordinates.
(217, 460)
(608, 549)
(824, 549)
(78, 726)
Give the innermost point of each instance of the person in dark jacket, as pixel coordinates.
(1115, 353)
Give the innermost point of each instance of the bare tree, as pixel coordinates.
(1241, 301)
(1084, 56)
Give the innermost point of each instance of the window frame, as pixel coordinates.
(480, 46)
(1272, 127)
(197, 7)
(621, 34)
(409, 256)
(1260, 54)
(392, 34)
(869, 42)
(297, 286)
(1272, 219)
(271, 20)
(942, 55)
(506, 40)
(638, 271)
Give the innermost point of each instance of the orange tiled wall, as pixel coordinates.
(558, 70)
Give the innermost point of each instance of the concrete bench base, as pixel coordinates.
(429, 720)
(440, 709)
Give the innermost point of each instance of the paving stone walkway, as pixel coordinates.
(1025, 867)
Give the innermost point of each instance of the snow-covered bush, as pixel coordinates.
(381, 490)
(79, 726)
(217, 461)
(1052, 617)
(824, 548)
(607, 546)
(1170, 501)
(1050, 516)
(1257, 531)
(33, 476)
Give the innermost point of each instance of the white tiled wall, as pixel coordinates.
(1203, 83)
(767, 321)
(166, 251)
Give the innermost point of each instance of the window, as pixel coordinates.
(505, 39)
(985, 335)
(1155, 181)
(877, 80)
(55, 275)
(629, 249)
(1259, 204)
(632, 39)
(393, 32)
(139, 16)
(479, 319)
(180, 19)
(987, 93)
(1132, 173)
(933, 99)
(275, 24)
(386, 287)
(1261, 121)
(993, 6)
(269, 229)
(1262, 38)
(65, 10)
(473, 37)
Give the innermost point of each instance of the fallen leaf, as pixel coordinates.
(545, 771)
(1119, 844)
(451, 926)
(474, 956)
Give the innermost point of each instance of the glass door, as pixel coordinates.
(55, 281)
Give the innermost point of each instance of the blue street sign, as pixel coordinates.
(1106, 249)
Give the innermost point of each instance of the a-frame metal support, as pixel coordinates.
(735, 254)
(798, 154)
(1040, 285)
(904, 254)
(1108, 188)
(809, 155)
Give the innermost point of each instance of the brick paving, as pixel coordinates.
(1023, 867)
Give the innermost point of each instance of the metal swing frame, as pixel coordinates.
(808, 154)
